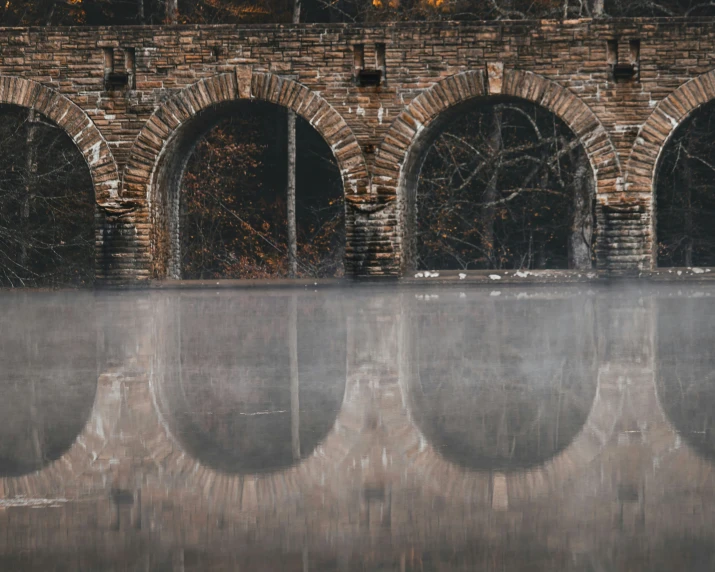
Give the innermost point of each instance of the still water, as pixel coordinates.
(540, 429)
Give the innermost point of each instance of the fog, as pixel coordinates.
(359, 428)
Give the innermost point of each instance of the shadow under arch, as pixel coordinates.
(69, 117)
(490, 476)
(400, 155)
(232, 470)
(163, 147)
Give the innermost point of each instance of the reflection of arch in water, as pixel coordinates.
(56, 419)
(60, 477)
(48, 381)
(685, 377)
(464, 461)
(260, 465)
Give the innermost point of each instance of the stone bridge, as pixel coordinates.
(136, 99)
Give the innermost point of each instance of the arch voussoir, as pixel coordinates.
(153, 143)
(405, 132)
(660, 126)
(72, 120)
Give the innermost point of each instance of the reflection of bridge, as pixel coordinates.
(374, 482)
(135, 99)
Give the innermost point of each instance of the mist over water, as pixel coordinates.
(365, 428)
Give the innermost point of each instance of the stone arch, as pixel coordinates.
(653, 136)
(142, 176)
(655, 133)
(402, 143)
(69, 117)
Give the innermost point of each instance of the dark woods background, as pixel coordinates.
(127, 12)
(503, 186)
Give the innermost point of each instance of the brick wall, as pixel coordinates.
(133, 135)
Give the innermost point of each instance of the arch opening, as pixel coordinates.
(495, 183)
(219, 197)
(264, 390)
(47, 205)
(684, 193)
(502, 386)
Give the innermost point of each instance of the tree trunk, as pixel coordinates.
(30, 185)
(172, 11)
(290, 191)
(140, 12)
(597, 8)
(581, 234)
(491, 192)
(687, 194)
(290, 200)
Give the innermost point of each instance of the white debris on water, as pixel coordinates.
(31, 502)
(521, 274)
(698, 271)
(495, 293)
(680, 272)
(494, 277)
(462, 275)
(419, 275)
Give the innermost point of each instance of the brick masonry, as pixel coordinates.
(136, 137)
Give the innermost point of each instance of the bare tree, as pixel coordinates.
(290, 191)
(581, 235)
(30, 184)
(494, 146)
(172, 11)
(505, 185)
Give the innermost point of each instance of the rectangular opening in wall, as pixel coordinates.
(115, 74)
(358, 57)
(130, 66)
(380, 59)
(634, 56)
(612, 52)
(109, 74)
(108, 60)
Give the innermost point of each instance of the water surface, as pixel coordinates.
(366, 428)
